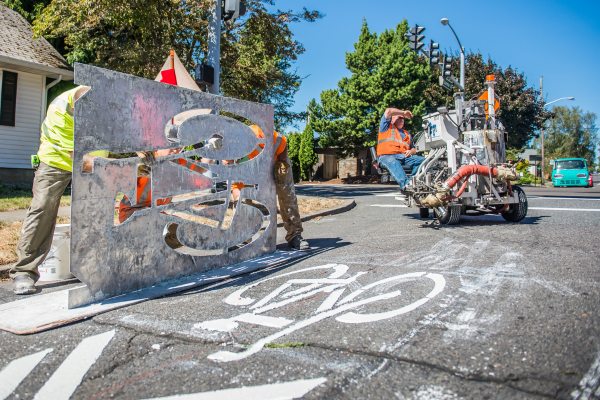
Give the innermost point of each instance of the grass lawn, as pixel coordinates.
(19, 197)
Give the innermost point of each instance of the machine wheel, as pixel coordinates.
(517, 212)
(452, 216)
(424, 212)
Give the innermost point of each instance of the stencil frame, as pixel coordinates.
(123, 113)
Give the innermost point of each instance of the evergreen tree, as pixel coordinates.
(384, 73)
(307, 155)
(294, 141)
(521, 109)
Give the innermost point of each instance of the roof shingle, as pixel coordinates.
(16, 41)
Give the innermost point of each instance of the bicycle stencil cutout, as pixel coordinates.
(333, 305)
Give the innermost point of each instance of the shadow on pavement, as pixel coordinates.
(321, 246)
(470, 221)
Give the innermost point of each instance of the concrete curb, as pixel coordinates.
(345, 206)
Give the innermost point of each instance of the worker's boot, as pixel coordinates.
(23, 284)
(298, 243)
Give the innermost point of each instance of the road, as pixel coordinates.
(385, 305)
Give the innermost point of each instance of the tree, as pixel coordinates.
(294, 141)
(134, 36)
(521, 107)
(571, 133)
(307, 156)
(384, 73)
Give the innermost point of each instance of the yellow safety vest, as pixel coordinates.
(57, 132)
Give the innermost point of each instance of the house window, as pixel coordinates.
(8, 98)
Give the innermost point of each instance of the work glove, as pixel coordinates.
(215, 143)
(147, 157)
(143, 171)
(280, 171)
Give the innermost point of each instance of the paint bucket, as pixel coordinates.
(56, 264)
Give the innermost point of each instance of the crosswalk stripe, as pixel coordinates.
(65, 380)
(13, 374)
(277, 391)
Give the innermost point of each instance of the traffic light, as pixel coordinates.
(434, 54)
(233, 9)
(447, 66)
(415, 37)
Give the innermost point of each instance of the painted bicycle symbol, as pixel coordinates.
(333, 305)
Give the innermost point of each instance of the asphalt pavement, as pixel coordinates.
(385, 305)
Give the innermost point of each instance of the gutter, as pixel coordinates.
(45, 97)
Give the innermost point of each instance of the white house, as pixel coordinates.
(25, 65)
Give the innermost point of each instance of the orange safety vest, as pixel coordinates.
(391, 142)
(144, 194)
(279, 143)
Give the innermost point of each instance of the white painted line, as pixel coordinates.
(272, 322)
(65, 380)
(389, 205)
(277, 391)
(389, 194)
(13, 374)
(330, 300)
(563, 209)
(589, 383)
(561, 198)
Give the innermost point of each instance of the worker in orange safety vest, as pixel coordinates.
(284, 186)
(395, 146)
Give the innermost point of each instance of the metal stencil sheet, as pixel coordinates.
(122, 114)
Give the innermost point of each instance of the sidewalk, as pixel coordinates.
(19, 215)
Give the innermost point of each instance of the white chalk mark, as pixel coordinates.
(277, 391)
(389, 205)
(330, 300)
(383, 364)
(563, 209)
(13, 374)
(353, 318)
(589, 385)
(272, 322)
(272, 295)
(65, 380)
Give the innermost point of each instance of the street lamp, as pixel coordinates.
(445, 22)
(553, 101)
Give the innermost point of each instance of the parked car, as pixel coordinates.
(571, 172)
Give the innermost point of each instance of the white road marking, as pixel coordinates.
(389, 205)
(272, 322)
(389, 194)
(588, 387)
(65, 380)
(562, 198)
(563, 209)
(277, 391)
(330, 300)
(13, 374)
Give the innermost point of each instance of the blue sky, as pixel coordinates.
(559, 40)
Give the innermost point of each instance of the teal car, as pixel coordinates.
(571, 172)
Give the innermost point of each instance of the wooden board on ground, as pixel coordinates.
(46, 311)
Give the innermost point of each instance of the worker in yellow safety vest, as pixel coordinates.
(284, 186)
(51, 179)
(395, 146)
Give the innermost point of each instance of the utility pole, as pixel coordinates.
(543, 158)
(214, 44)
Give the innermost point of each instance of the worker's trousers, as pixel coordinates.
(38, 227)
(288, 205)
(394, 163)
